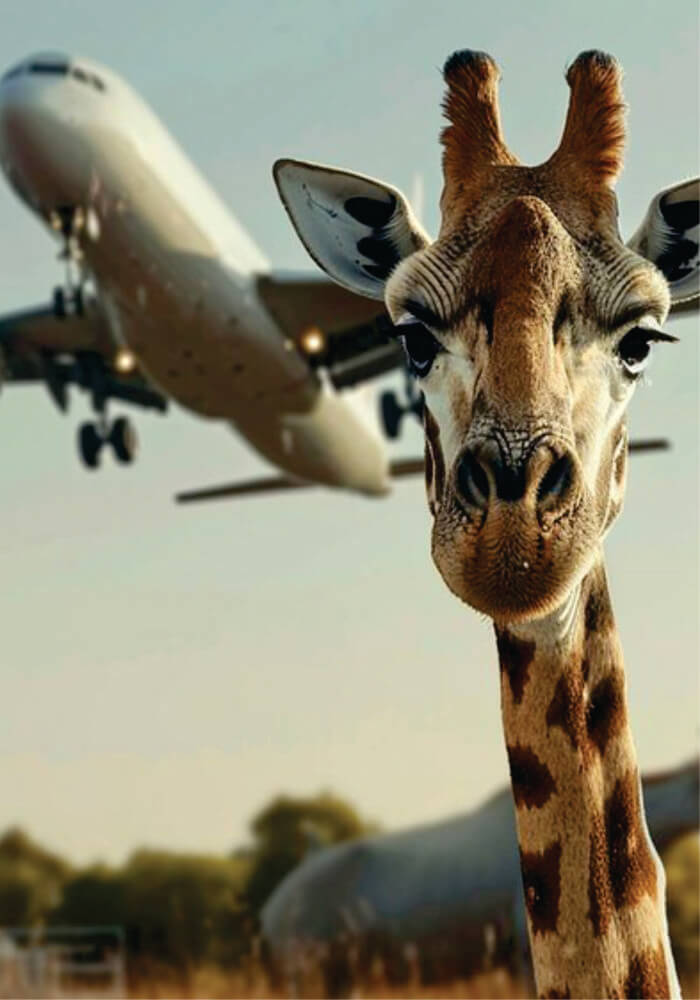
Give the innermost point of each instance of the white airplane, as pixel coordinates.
(166, 297)
(184, 304)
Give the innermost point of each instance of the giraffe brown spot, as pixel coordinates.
(566, 707)
(600, 901)
(647, 975)
(555, 994)
(542, 886)
(605, 712)
(432, 434)
(515, 656)
(630, 861)
(531, 779)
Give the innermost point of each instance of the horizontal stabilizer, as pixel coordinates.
(398, 470)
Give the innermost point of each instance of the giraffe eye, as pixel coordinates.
(420, 346)
(634, 350)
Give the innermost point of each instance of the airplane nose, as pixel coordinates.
(19, 134)
(41, 151)
(29, 113)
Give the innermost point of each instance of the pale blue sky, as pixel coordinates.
(165, 671)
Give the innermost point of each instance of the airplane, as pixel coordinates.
(166, 298)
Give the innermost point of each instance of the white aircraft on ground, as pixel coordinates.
(452, 890)
(166, 297)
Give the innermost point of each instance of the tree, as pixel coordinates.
(186, 908)
(286, 829)
(94, 895)
(179, 909)
(682, 863)
(31, 879)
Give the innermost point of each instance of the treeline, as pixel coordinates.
(181, 910)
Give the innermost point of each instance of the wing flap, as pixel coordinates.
(335, 329)
(298, 303)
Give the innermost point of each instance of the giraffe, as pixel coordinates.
(527, 323)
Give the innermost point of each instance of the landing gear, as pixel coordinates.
(393, 410)
(69, 221)
(89, 370)
(68, 302)
(392, 414)
(93, 436)
(124, 440)
(90, 443)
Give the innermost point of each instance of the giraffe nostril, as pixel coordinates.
(472, 481)
(556, 480)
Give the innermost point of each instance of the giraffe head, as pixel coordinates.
(527, 323)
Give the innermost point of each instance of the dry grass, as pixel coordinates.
(218, 985)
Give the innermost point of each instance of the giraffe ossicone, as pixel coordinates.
(527, 323)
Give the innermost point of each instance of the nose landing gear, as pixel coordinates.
(69, 221)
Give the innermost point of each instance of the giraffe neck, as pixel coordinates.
(594, 886)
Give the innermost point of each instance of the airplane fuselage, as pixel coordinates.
(174, 272)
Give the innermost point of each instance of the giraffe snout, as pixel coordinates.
(545, 478)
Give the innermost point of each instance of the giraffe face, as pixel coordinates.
(527, 343)
(527, 323)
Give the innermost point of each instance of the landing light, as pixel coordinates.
(312, 341)
(124, 361)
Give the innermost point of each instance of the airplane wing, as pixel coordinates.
(279, 484)
(347, 334)
(398, 469)
(36, 345)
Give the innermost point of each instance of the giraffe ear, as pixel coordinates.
(670, 237)
(355, 228)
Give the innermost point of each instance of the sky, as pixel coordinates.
(165, 671)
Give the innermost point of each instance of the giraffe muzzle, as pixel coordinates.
(513, 534)
(545, 479)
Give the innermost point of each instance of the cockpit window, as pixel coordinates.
(60, 68)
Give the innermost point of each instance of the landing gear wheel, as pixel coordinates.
(68, 300)
(90, 443)
(78, 302)
(392, 414)
(124, 440)
(59, 303)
